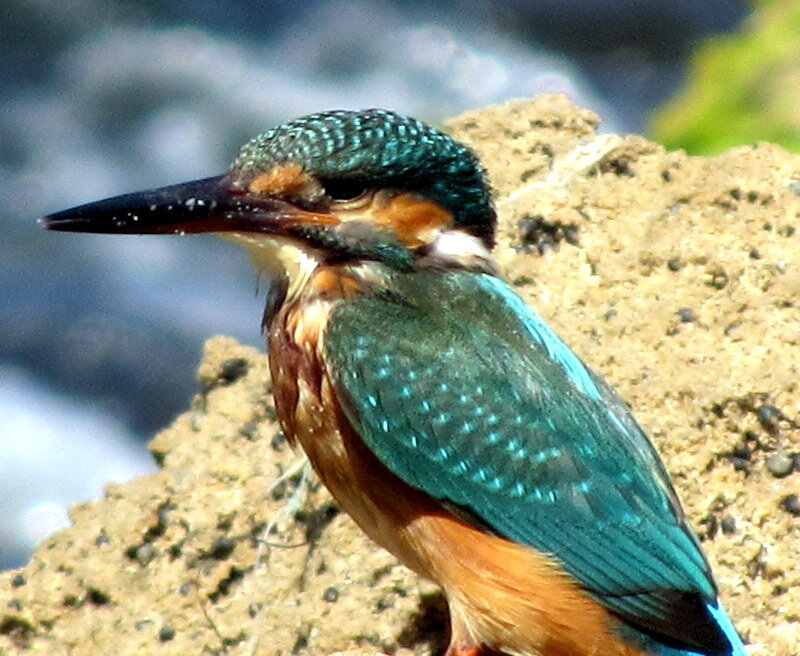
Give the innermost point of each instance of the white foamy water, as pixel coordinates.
(55, 452)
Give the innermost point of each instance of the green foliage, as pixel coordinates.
(743, 88)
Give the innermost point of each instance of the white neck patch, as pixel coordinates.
(458, 246)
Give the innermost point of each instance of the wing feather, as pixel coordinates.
(471, 398)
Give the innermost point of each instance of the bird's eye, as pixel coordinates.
(344, 190)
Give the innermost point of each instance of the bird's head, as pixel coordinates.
(343, 186)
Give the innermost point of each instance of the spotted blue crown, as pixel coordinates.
(381, 149)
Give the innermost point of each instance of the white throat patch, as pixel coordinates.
(459, 247)
(278, 257)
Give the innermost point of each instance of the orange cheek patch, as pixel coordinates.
(411, 217)
(282, 180)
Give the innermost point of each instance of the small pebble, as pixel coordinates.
(249, 430)
(166, 633)
(739, 464)
(144, 554)
(791, 504)
(728, 525)
(331, 595)
(768, 416)
(277, 441)
(98, 597)
(780, 465)
(687, 315)
(742, 450)
(674, 264)
(222, 548)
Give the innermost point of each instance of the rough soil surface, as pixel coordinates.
(677, 278)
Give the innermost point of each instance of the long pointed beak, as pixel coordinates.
(209, 205)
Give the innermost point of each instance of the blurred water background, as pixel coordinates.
(100, 335)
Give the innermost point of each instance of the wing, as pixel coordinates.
(471, 398)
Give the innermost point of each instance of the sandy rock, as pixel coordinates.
(675, 277)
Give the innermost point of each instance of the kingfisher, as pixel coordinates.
(441, 412)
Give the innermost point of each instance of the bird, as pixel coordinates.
(443, 414)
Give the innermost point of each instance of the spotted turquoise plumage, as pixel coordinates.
(476, 402)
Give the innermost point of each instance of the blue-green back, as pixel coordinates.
(463, 392)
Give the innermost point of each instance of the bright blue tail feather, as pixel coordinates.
(727, 628)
